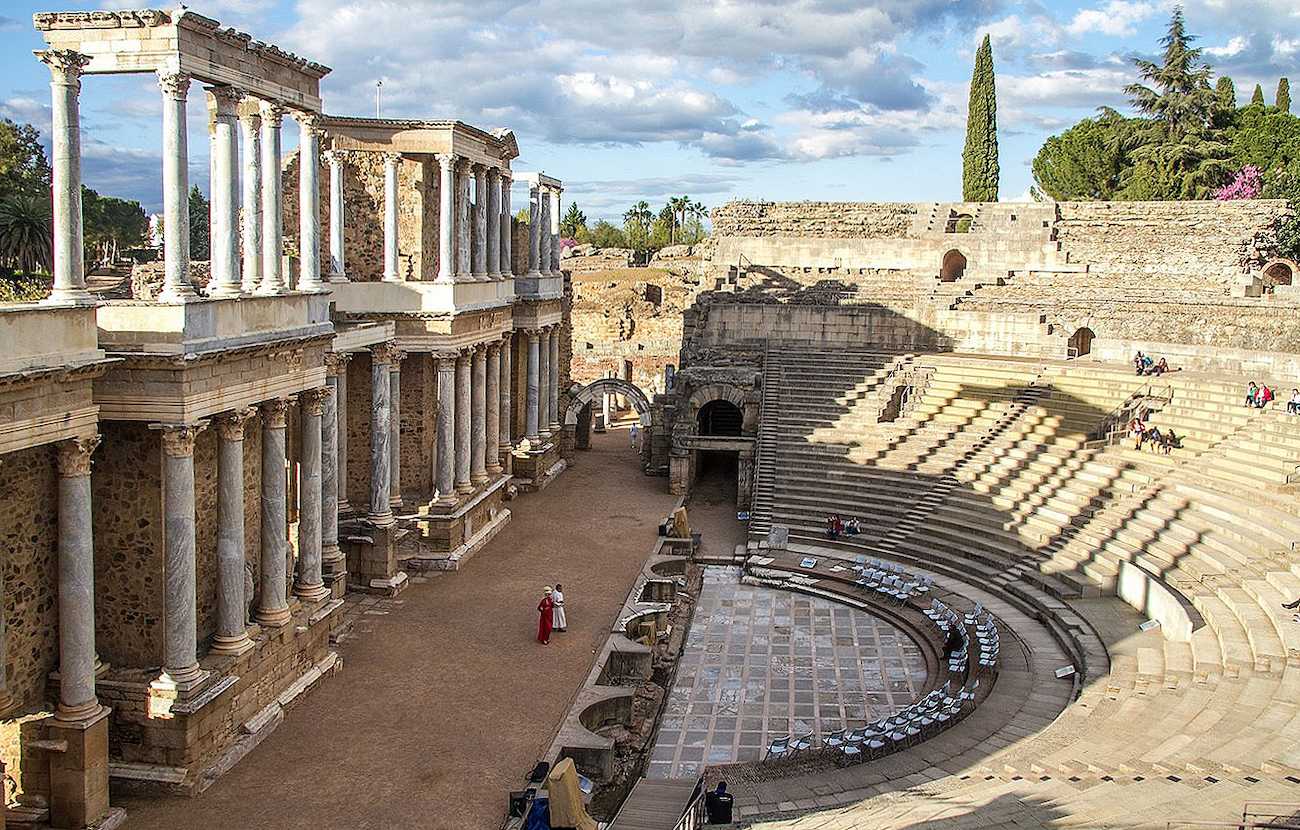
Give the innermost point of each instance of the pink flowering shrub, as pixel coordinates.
(1247, 184)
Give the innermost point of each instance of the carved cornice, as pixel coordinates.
(134, 19)
(174, 85)
(231, 424)
(59, 374)
(136, 360)
(66, 65)
(313, 400)
(74, 456)
(334, 158)
(392, 160)
(178, 439)
(275, 412)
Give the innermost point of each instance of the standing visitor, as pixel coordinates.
(558, 621)
(544, 620)
(635, 434)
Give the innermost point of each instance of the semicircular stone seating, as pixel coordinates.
(997, 476)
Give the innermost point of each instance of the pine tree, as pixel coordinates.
(1225, 94)
(980, 157)
(1284, 95)
(1258, 97)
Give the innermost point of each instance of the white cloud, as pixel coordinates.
(1235, 46)
(1118, 18)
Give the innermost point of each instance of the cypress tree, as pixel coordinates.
(1225, 94)
(1284, 95)
(1258, 97)
(979, 159)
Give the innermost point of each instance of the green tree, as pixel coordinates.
(1225, 93)
(574, 222)
(25, 240)
(1266, 138)
(1181, 155)
(23, 166)
(110, 225)
(1284, 95)
(522, 216)
(1258, 97)
(199, 215)
(606, 235)
(1087, 161)
(979, 159)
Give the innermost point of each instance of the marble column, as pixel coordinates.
(478, 417)
(555, 232)
(395, 430)
(65, 138)
(231, 636)
(544, 234)
(534, 230)
(332, 560)
(507, 394)
(446, 429)
(480, 222)
(531, 421)
(309, 132)
(338, 266)
(492, 219)
(180, 599)
(250, 126)
(507, 226)
(553, 386)
(224, 226)
(462, 219)
(544, 383)
(341, 404)
(446, 217)
(272, 600)
(381, 385)
(176, 189)
(463, 482)
(309, 585)
(272, 197)
(492, 392)
(391, 163)
(77, 700)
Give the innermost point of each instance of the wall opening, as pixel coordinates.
(958, 222)
(1279, 273)
(954, 266)
(1080, 342)
(654, 294)
(896, 404)
(720, 418)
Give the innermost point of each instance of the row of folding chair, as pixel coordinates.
(986, 632)
(891, 585)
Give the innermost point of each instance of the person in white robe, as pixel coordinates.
(558, 620)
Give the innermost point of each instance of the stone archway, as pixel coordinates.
(1279, 272)
(1080, 342)
(954, 266)
(581, 401)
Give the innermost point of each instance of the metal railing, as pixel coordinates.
(1114, 425)
(1255, 815)
(693, 816)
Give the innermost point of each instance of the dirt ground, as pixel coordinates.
(446, 702)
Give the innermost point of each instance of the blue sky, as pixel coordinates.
(776, 99)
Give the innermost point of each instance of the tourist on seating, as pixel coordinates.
(851, 527)
(834, 526)
(1265, 396)
(1139, 363)
(1172, 441)
(1156, 439)
(1138, 431)
(1160, 368)
(1251, 392)
(558, 621)
(1293, 405)
(545, 617)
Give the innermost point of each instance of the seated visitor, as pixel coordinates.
(1172, 441)
(1265, 397)
(953, 643)
(1161, 367)
(851, 527)
(1147, 364)
(833, 526)
(1157, 439)
(1251, 391)
(1293, 405)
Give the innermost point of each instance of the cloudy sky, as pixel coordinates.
(774, 99)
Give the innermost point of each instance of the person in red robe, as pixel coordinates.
(545, 609)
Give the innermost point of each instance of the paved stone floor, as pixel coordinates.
(445, 701)
(760, 663)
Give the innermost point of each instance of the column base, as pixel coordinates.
(385, 519)
(182, 681)
(71, 715)
(395, 503)
(178, 295)
(338, 278)
(230, 645)
(79, 774)
(494, 470)
(480, 276)
(534, 275)
(464, 488)
(70, 296)
(311, 593)
(479, 479)
(272, 617)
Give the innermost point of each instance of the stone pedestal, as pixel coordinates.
(450, 536)
(78, 773)
(371, 552)
(538, 467)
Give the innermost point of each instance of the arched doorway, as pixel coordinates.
(954, 266)
(1080, 342)
(580, 404)
(1278, 272)
(719, 418)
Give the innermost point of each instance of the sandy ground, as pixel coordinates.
(446, 701)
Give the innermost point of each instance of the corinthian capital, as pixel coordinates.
(336, 363)
(226, 98)
(178, 439)
(231, 424)
(313, 400)
(386, 353)
(174, 84)
(74, 456)
(272, 113)
(65, 65)
(275, 412)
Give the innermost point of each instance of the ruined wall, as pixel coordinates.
(419, 427)
(814, 219)
(358, 426)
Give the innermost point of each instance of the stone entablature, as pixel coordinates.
(41, 337)
(179, 40)
(419, 137)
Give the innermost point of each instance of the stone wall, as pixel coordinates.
(358, 426)
(814, 219)
(419, 427)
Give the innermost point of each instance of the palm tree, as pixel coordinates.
(677, 206)
(639, 215)
(25, 242)
(1181, 105)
